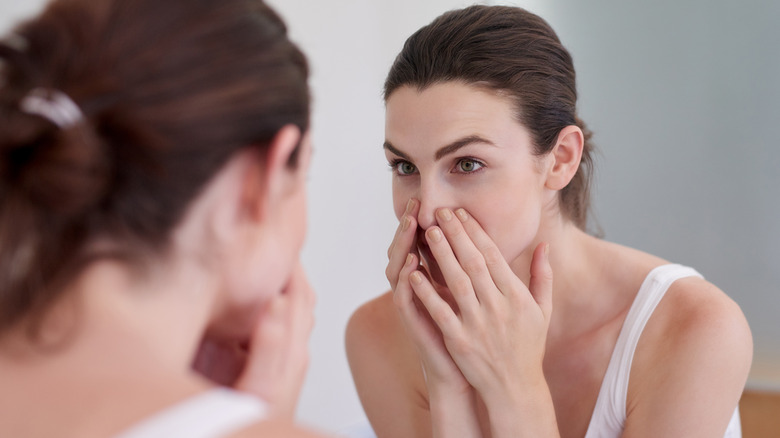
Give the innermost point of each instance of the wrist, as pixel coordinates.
(454, 413)
(443, 389)
(526, 411)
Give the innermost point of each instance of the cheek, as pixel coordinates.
(512, 222)
(400, 199)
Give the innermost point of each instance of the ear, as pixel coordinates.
(565, 157)
(265, 185)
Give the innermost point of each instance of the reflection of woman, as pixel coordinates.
(153, 202)
(518, 323)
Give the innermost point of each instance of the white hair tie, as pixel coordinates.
(52, 105)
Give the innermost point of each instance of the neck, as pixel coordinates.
(116, 346)
(578, 262)
(110, 317)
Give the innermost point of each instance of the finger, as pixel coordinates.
(300, 319)
(469, 259)
(403, 242)
(411, 210)
(267, 348)
(439, 310)
(541, 283)
(413, 313)
(402, 293)
(456, 279)
(500, 272)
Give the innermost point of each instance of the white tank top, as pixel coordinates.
(212, 414)
(609, 415)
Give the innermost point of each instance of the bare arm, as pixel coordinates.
(386, 371)
(389, 377)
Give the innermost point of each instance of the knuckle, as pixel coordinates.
(454, 229)
(474, 264)
(442, 315)
(493, 257)
(460, 346)
(461, 286)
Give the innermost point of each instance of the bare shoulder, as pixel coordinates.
(386, 369)
(696, 315)
(691, 363)
(375, 320)
(276, 428)
(375, 337)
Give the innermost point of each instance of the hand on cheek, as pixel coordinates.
(273, 364)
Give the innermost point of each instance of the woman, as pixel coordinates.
(505, 317)
(153, 206)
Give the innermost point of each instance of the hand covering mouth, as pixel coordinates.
(433, 272)
(429, 262)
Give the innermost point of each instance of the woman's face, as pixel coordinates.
(260, 261)
(455, 145)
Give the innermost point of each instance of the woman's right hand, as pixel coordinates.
(403, 260)
(452, 400)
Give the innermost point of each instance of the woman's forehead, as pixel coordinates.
(443, 114)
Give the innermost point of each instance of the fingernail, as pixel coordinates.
(462, 215)
(409, 259)
(416, 277)
(410, 205)
(434, 234)
(445, 214)
(405, 223)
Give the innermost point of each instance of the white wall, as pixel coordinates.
(683, 97)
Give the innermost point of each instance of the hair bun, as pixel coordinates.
(60, 171)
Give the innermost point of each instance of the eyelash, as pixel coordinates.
(395, 163)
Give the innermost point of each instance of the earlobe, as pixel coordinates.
(566, 156)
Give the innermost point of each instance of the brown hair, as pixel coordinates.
(511, 50)
(169, 91)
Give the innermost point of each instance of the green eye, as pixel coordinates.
(405, 168)
(468, 166)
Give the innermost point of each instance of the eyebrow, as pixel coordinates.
(446, 150)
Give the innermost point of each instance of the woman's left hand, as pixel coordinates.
(498, 332)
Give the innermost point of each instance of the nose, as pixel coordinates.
(432, 197)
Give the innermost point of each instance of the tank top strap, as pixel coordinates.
(211, 414)
(609, 414)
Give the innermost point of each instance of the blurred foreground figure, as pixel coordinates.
(152, 209)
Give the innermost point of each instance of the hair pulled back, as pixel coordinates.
(169, 91)
(510, 50)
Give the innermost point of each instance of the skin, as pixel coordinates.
(509, 308)
(230, 289)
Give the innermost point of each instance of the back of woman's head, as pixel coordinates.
(166, 92)
(516, 53)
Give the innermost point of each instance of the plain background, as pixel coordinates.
(684, 102)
